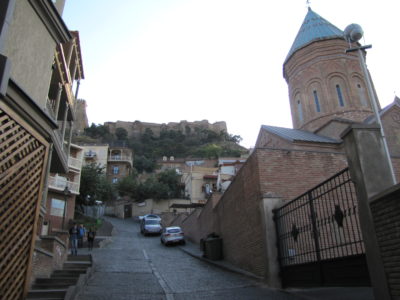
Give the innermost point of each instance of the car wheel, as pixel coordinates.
(183, 242)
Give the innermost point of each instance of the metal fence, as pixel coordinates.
(322, 224)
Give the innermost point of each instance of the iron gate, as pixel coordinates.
(319, 237)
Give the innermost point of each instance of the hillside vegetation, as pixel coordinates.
(200, 142)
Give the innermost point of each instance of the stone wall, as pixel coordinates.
(50, 253)
(135, 129)
(386, 216)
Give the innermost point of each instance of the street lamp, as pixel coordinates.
(353, 33)
(66, 192)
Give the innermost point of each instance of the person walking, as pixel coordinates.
(73, 238)
(81, 235)
(91, 234)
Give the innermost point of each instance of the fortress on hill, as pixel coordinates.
(137, 128)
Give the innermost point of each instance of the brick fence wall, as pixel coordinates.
(386, 217)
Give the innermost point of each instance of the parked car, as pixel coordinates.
(172, 235)
(149, 216)
(150, 226)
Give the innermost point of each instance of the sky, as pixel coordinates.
(165, 61)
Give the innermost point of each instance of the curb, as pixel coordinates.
(222, 266)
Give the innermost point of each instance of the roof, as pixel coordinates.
(314, 28)
(299, 135)
(371, 119)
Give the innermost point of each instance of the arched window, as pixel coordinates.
(340, 96)
(300, 110)
(316, 100)
(362, 94)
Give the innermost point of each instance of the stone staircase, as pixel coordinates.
(62, 283)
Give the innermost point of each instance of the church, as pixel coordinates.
(327, 94)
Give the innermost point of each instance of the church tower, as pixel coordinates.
(324, 82)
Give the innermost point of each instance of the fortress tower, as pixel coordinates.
(324, 82)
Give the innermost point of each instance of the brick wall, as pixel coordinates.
(386, 217)
(237, 218)
(291, 173)
(50, 254)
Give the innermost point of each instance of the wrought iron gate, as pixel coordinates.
(319, 237)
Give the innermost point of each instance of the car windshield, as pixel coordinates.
(152, 222)
(174, 230)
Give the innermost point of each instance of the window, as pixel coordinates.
(115, 170)
(362, 95)
(300, 111)
(316, 100)
(57, 207)
(340, 96)
(115, 180)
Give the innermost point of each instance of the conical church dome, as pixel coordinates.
(324, 81)
(314, 28)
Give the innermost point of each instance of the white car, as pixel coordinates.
(172, 235)
(149, 216)
(150, 226)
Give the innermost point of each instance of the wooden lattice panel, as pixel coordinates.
(22, 161)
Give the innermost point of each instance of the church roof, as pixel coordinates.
(371, 119)
(299, 135)
(314, 28)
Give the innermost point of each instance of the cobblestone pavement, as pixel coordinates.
(138, 267)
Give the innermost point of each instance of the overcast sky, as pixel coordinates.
(170, 60)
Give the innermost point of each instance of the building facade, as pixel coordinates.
(35, 135)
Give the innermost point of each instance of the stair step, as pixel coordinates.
(84, 257)
(46, 294)
(77, 265)
(50, 286)
(70, 281)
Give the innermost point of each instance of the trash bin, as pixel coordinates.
(213, 248)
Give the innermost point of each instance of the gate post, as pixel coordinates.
(369, 169)
(270, 202)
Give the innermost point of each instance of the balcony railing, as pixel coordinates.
(127, 158)
(59, 183)
(74, 163)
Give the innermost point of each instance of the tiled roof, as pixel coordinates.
(314, 28)
(299, 135)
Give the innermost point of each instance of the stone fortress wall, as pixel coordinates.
(136, 128)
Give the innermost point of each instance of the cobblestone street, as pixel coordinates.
(138, 267)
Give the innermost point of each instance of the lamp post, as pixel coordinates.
(353, 33)
(66, 192)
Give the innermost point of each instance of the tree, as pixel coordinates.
(127, 186)
(171, 180)
(121, 134)
(144, 164)
(94, 185)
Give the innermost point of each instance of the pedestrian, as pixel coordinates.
(81, 235)
(91, 234)
(73, 238)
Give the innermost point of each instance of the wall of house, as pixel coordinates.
(31, 69)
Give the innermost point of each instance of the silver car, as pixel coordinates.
(150, 226)
(172, 235)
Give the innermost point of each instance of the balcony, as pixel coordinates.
(120, 158)
(59, 183)
(75, 163)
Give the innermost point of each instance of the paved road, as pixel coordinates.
(137, 267)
